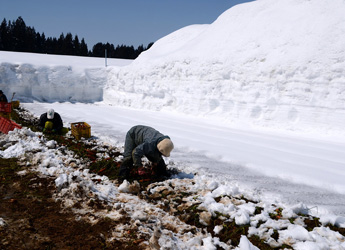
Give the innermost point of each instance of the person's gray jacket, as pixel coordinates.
(142, 141)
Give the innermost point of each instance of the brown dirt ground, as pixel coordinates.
(35, 221)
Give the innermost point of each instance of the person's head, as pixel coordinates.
(1, 93)
(165, 146)
(50, 114)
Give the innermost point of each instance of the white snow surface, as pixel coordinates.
(256, 99)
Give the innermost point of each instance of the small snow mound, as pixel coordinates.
(61, 181)
(245, 244)
(332, 219)
(2, 223)
(127, 187)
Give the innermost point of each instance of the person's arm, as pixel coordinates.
(58, 122)
(139, 152)
(42, 121)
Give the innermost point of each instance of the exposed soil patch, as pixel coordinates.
(35, 221)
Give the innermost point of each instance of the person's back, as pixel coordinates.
(3, 98)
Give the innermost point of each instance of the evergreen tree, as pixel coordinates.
(4, 36)
(30, 40)
(19, 35)
(149, 46)
(140, 49)
(76, 46)
(110, 50)
(83, 48)
(60, 44)
(98, 50)
(41, 43)
(67, 47)
(52, 46)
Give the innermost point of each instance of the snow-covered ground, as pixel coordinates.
(255, 99)
(279, 165)
(78, 189)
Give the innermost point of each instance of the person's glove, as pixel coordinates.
(141, 170)
(124, 173)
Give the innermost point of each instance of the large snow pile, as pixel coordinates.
(276, 63)
(267, 63)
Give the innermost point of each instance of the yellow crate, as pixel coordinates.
(81, 129)
(15, 104)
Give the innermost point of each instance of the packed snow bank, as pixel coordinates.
(52, 78)
(267, 63)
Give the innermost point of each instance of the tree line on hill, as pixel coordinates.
(16, 36)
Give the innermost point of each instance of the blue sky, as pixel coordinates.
(128, 22)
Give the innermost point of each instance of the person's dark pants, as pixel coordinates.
(127, 163)
(126, 167)
(129, 145)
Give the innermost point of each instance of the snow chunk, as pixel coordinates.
(105, 192)
(207, 244)
(241, 217)
(61, 181)
(51, 144)
(213, 185)
(2, 222)
(308, 245)
(217, 229)
(127, 187)
(225, 191)
(294, 233)
(327, 233)
(205, 218)
(139, 215)
(245, 244)
(333, 219)
(296, 209)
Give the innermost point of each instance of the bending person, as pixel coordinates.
(51, 122)
(145, 141)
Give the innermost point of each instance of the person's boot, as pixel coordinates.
(123, 174)
(125, 169)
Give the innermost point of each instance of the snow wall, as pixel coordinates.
(52, 83)
(267, 63)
